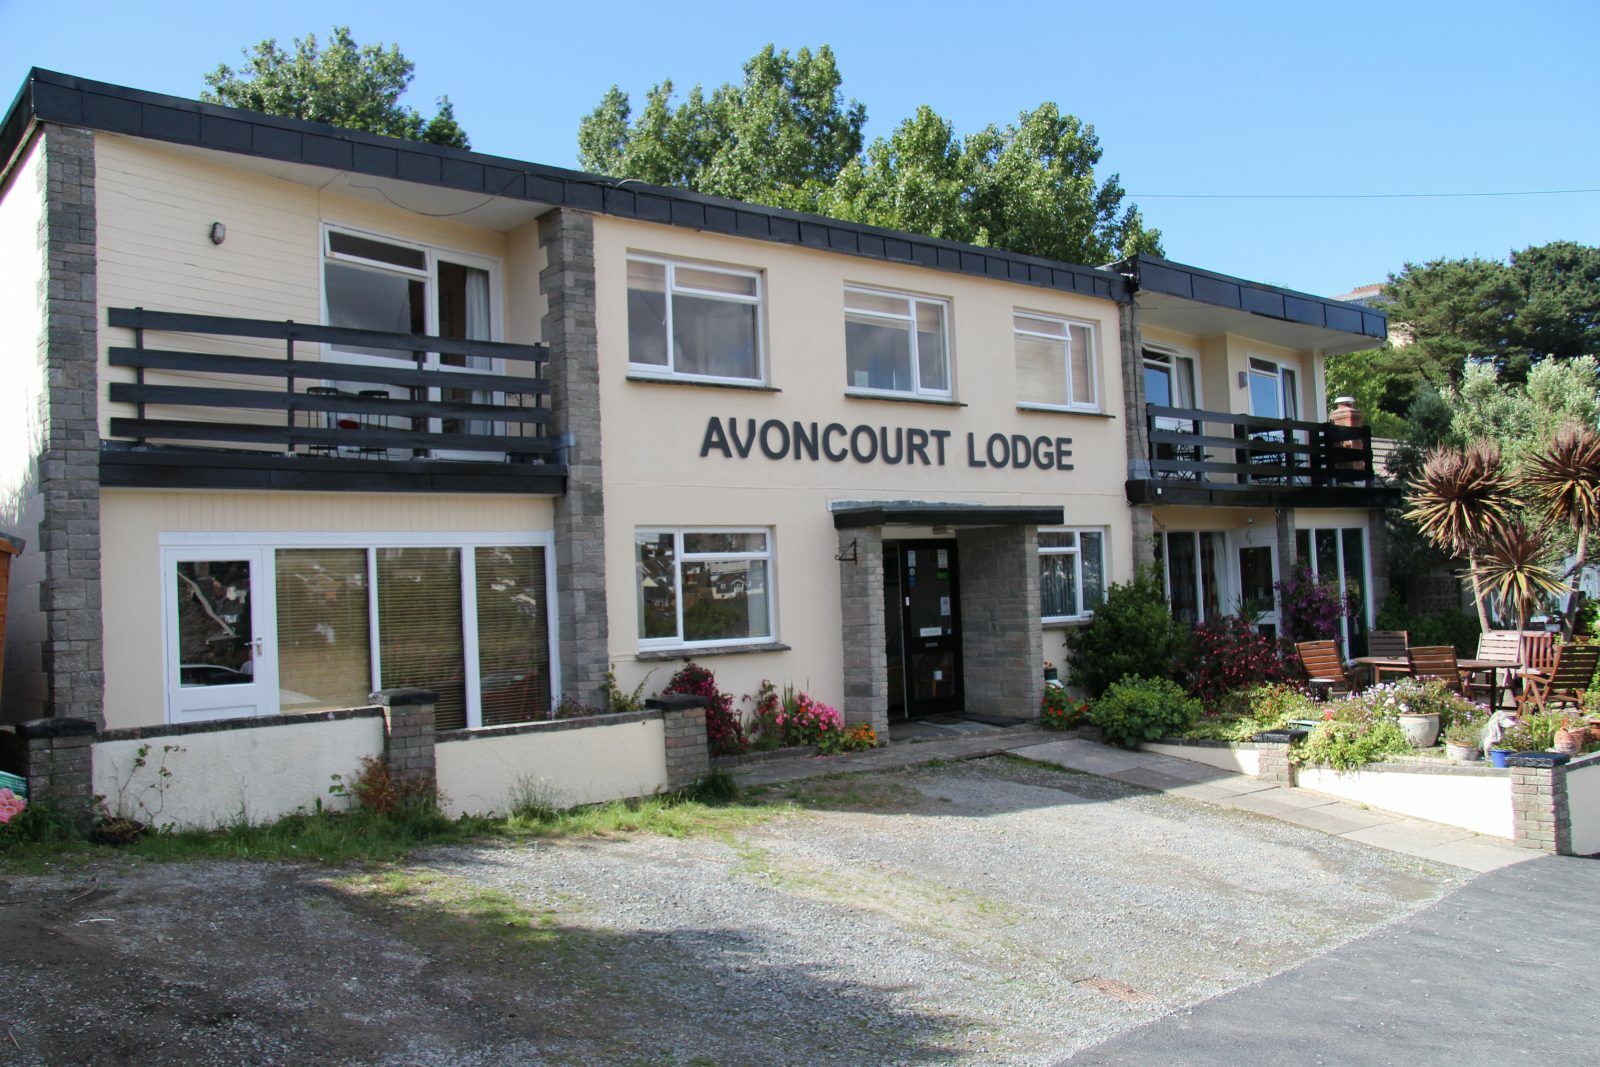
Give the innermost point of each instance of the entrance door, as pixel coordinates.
(923, 627)
(221, 658)
(1258, 571)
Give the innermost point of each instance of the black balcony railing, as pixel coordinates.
(1217, 447)
(405, 401)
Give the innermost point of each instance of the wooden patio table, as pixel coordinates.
(1381, 665)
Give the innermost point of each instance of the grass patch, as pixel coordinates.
(326, 836)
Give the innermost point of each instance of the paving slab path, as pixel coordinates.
(1173, 776)
(1354, 822)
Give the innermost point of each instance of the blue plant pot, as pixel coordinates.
(1498, 757)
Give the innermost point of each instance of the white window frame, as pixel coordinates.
(1226, 578)
(910, 319)
(1071, 402)
(371, 543)
(1173, 354)
(1076, 552)
(759, 300)
(428, 275)
(679, 557)
(1368, 608)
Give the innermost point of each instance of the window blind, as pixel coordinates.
(1041, 360)
(419, 626)
(324, 636)
(513, 634)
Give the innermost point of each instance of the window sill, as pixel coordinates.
(1049, 410)
(710, 650)
(936, 401)
(1067, 624)
(650, 379)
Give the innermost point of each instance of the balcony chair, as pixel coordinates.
(1324, 668)
(1567, 682)
(1504, 646)
(1437, 663)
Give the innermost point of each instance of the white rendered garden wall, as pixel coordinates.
(232, 773)
(563, 763)
(1583, 805)
(1479, 801)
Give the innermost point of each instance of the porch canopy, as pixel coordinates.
(856, 515)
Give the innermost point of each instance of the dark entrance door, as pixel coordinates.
(922, 627)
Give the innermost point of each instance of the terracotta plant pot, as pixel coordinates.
(1422, 731)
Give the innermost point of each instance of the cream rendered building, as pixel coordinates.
(298, 413)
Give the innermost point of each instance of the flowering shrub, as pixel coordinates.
(1312, 610)
(1229, 654)
(724, 732)
(1363, 728)
(858, 738)
(810, 722)
(1058, 711)
(766, 723)
(1242, 714)
(11, 805)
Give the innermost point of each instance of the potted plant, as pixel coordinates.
(1050, 672)
(1463, 741)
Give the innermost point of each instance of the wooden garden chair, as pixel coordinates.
(1567, 682)
(1504, 646)
(1437, 662)
(1323, 667)
(1389, 644)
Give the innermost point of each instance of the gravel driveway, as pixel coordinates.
(993, 911)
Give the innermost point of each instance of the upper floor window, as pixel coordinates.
(1072, 573)
(1168, 379)
(896, 344)
(1055, 362)
(694, 320)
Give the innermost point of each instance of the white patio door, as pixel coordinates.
(221, 655)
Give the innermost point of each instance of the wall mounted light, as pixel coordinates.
(219, 233)
(1244, 379)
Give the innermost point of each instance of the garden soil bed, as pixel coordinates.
(987, 912)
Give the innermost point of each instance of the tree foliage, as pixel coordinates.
(1447, 315)
(787, 137)
(345, 84)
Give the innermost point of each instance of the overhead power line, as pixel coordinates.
(1353, 196)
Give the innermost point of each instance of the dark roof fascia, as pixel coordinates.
(903, 513)
(48, 96)
(1159, 275)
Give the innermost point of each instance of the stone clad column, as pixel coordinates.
(866, 662)
(568, 284)
(1002, 642)
(409, 734)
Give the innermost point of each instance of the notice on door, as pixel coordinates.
(931, 631)
(944, 605)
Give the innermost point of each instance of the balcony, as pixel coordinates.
(339, 409)
(1221, 458)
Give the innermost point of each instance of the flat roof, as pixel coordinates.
(49, 96)
(1154, 275)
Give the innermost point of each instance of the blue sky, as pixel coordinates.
(1188, 98)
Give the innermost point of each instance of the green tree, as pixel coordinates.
(787, 137)
(1524, 417)
(1028, 187)
(1559, 285)
(780, 137)
(354, 86)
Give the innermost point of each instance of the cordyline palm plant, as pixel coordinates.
(1515, 567)
(1461, 499)
(1564, 479)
